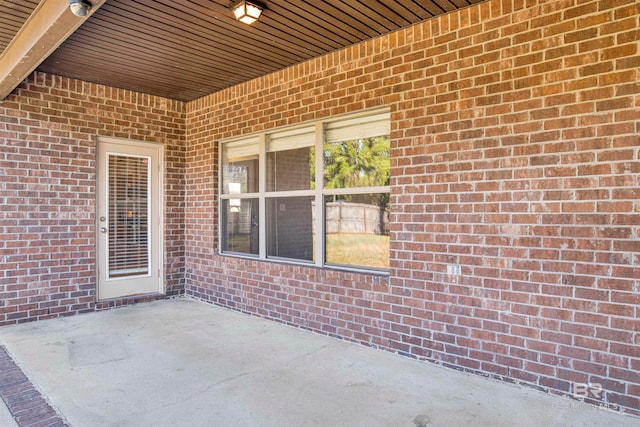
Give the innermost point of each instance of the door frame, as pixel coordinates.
(156, 251)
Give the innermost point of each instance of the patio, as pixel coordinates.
(182, 362)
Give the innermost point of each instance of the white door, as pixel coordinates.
(129, 218)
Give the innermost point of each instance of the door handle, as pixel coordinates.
(103, 229)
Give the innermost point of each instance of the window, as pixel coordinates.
(314, 194)
(240, 211)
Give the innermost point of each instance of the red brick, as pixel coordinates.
(515, 158)
(69, 176)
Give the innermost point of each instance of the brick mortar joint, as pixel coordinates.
(49, 412)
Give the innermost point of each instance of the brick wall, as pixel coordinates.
(48, 131)
(515, 155)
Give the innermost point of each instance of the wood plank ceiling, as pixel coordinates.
(185, 49)
(12, 15)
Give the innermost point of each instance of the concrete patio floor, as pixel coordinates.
(185, 363)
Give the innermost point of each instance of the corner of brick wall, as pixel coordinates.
(48, 131)
(516, 156)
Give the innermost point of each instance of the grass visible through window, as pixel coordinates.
(366, 250)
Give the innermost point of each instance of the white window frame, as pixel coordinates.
(318, 193)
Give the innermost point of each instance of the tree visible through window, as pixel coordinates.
(325, 197)
(357, 224)
(357, 163)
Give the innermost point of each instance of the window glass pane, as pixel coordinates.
(290, 229)
(357, 230)
(240, 232)
(290, 169)
(240, 167)
(353, 187)
(363, 162)
(240, 176)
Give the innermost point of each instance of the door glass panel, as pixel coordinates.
(128, 216)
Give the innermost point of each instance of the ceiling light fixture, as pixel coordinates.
(79, 7)
(247, 12)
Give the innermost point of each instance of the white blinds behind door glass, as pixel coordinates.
(128, 216)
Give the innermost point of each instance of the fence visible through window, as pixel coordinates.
(318, 193)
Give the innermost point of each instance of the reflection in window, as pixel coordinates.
(240, 226)
(290, 169)
(240, 167)
(323, 196)
(240, 177)
(290, 159)
(290, 227)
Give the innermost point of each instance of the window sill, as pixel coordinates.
(328, 267)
